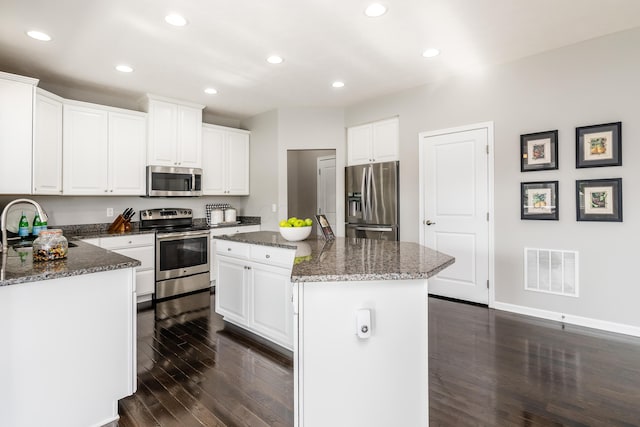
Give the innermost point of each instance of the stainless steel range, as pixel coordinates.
(182, 251)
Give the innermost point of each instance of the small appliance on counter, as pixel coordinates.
(220, 214)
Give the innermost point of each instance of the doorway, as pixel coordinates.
(456, 178)
(306, 184)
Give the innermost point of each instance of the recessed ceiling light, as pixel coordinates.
(124, 68)
(39, 35)
(375, 9)
(337, 84)
(210, 91)
(275, 59)
(431, 52)
(176, 20)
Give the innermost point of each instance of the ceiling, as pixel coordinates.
(226, 43)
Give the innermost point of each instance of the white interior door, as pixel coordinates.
(455, 192)
(327, 189)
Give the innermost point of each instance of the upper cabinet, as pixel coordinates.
(104, 150)
(47, 143)
(174, 132)
(225, 161)
(373, 142)
(16, 133)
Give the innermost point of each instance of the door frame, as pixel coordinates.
(490, 190)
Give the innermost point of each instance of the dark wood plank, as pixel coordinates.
(486, 368)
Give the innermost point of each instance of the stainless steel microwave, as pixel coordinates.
(171, 181)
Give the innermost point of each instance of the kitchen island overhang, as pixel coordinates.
(359, 328)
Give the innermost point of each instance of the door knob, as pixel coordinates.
(429, 222)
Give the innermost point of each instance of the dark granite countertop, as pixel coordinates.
(352, 259)
(81, 259)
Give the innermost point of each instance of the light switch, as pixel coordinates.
(363, 323)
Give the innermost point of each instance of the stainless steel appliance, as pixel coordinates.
(170, 181)
(372, 201)
(182, 251)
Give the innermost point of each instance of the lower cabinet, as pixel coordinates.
(140, 247)
(254, 290)
(225, 231)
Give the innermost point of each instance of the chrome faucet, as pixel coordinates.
(3, 219)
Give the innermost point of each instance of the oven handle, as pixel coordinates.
(173, 236)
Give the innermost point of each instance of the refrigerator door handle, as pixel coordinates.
(374, 229)
(369, 182)
(363, 187)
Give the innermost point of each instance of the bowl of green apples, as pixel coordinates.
(295, 229)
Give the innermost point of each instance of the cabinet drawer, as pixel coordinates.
(127, 241)
(234, 249)
(145, 255)
(272, 256)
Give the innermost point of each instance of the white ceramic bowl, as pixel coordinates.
(295, 234)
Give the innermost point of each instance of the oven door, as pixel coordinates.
(180, 254)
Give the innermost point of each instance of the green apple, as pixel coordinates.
(308, 222)
(284, 223)
(299, 223)
(292, 220)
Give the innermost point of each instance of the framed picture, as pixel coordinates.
(539, 151)
(325, 227)
(539, 200)
(599, 145)
(599, 199)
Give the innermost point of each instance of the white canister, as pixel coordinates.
(230, 215)
(217, 216)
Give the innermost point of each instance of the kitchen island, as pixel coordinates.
(68, 334)
(359, 323)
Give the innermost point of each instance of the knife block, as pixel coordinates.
(119, 225)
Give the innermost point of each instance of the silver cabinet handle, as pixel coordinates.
(374, 228)
(267, 256)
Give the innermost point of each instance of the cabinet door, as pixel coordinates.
(270, 308)
(237, 149)
(359, 145)
(16, 115)
(213, 163)
(127, 154)
(385, 145)
(231, 290)
(85, 151)
(163, 133)
(47, 145)
(189, 140)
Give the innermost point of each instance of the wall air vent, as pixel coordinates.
(551, 271)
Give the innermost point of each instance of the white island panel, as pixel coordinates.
(68, 349)
(342, 379)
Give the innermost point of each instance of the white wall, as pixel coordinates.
(588, 83)
(275, 132)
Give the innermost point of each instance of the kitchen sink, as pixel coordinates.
(28, 244)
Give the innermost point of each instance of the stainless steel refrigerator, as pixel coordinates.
(372, 201)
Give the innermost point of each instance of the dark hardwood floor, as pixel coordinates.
(486, 368)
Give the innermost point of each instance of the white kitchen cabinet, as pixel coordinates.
(373, 142)
(225, 161)
(47, 143)
(254, 291)
(136, 246)
(225, 231)
(16, 133)
(103, 150)
(174, 131)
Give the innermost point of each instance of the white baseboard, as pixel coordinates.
(619, 328)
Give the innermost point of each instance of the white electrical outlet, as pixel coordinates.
(274, 208)
(109, 212)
